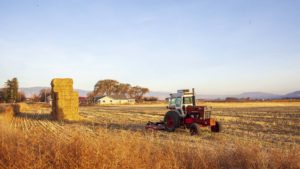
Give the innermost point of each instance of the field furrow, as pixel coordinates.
(275, 125)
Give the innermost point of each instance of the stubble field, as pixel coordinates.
(255, 135)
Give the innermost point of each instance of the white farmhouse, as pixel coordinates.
(107, 100)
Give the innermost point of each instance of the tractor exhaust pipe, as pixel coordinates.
(194, 98)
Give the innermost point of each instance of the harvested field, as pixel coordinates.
(114, 137)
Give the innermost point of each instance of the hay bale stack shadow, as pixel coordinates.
(64, 100)
(16, 109)
(35, 116)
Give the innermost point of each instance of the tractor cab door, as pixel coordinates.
(176, 103)
(172, 103)
(178, 106)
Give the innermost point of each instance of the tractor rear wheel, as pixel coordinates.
(216, 128)
(195, 129)
(172, 121)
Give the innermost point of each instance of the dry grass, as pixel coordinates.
(119, 149)
(6, 112)
(113, 137)
(274, 124)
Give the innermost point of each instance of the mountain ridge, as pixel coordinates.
(30, 91)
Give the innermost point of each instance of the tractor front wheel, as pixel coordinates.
(195, 129)
(172, 121)
(216, 128)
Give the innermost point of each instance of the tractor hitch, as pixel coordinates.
(155, 125)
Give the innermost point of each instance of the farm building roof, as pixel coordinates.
(113, 97)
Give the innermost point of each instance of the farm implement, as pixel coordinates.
(183, 113)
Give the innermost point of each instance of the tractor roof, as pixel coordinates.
(181, 93)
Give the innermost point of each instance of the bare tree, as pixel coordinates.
(35, 98)
(114, 88)
(105, 87)
(121, 90)
(44, 93)
(138, 92)
(150, 98)
(91, 97)
(21, 97)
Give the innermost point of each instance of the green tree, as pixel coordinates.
(1, 95)
(6, 91)
(10, 91)
(15, 89)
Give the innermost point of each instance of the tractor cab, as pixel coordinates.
(181, 100)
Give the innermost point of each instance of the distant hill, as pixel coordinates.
(259, 95)
(164, 95)
(159, 95)
(251, 95)
(292, 95)
(82, 93)
(213, 97)
(30, 91)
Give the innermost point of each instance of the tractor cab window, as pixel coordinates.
(172, 101)
(178, 102)
(187, 100)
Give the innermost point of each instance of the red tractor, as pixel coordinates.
(184, 113)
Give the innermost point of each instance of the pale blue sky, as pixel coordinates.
(218, 47)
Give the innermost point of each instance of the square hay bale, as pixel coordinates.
(64, 100)
(62, 81)
(7, 111)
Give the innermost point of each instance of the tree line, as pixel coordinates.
(10, 92)
(109, 87)
(42, 96)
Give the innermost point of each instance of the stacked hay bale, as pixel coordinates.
(64, 100)
(7, 111)
(23, 107)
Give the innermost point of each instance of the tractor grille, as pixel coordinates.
(207, 113)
